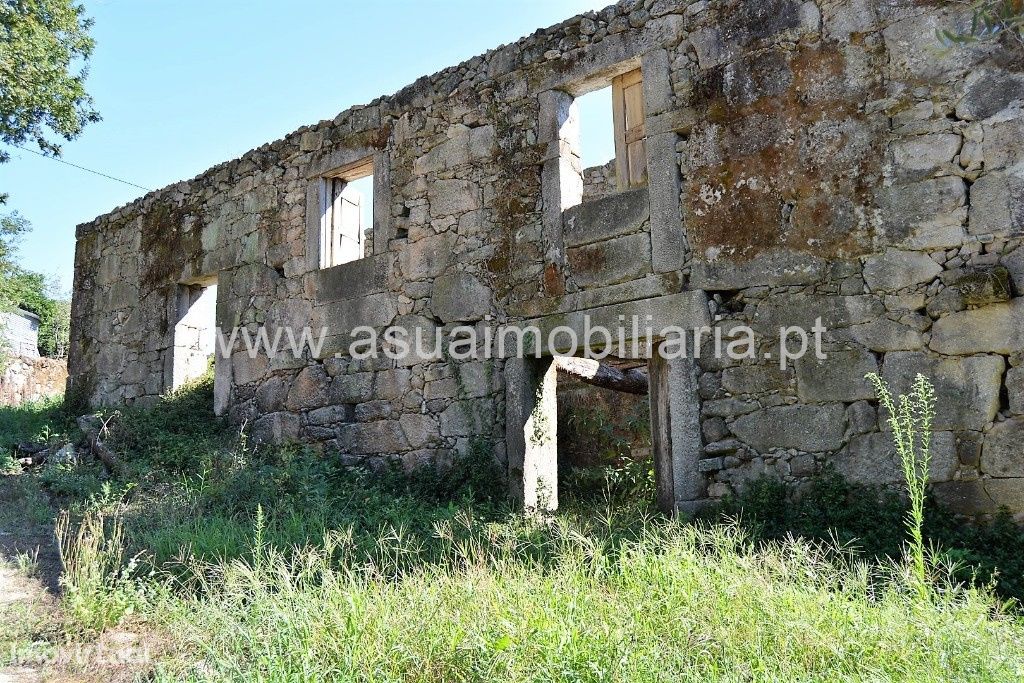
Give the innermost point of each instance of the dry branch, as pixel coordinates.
(94, 428)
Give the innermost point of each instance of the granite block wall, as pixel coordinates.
(805, 159)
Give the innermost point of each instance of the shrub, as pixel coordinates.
(990, 554)
(863, 518)
(623, 482)
(182, 435)
(76, 482)
(8, 465)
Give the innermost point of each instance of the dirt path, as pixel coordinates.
(29, 571)
(36, 643)
(22, 600)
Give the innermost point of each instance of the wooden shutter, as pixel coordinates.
(628, 115)
(350, 225)
(341, 230)
(327, 236)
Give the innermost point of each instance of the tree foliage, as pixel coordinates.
(11, 226)
(33, 292)
(44, 49)
(991, 20)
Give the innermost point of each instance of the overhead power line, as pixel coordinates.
(80, 168)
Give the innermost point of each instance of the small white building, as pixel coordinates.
(20, 331)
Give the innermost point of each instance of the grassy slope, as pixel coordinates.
(278, 565)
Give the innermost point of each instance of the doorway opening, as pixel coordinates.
(604, 439)
(195, 333)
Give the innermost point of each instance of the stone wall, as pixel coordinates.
(27, 378)
(911, 257)
(599, 181)
(805, 159)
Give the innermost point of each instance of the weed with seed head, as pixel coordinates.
(911, 423)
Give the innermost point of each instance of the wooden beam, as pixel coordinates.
(600, 375)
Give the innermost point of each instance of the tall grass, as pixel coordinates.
(41, 420)
(540, 603)
(98, 585)
(563, 599)
(282, 565)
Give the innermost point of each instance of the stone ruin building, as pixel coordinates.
(777, 161)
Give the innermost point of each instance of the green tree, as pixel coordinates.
(33, 292)
(45, 48)
(44, 51)
(12, 226)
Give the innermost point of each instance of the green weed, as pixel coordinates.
(99, 581)
(911, 425)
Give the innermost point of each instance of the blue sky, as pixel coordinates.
(185, 84)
